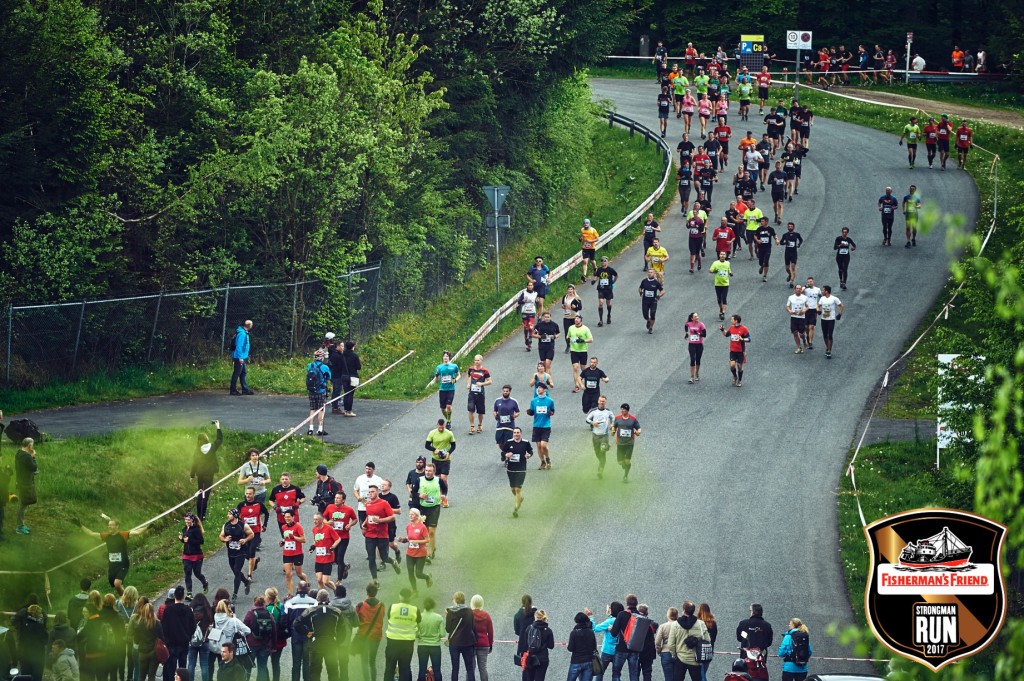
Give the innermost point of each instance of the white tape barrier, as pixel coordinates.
(567, 266)
(190, 499)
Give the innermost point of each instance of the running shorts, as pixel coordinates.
(475, 403)
(778, 196)
(546, 351)
(797, 325)
(589, 253)
(740, 357)
(431, 514)
(540, 434)
(744, 102)
(325, 568)
(695, 246)
(762, 93)
(789, 255)
(578, 357)
(944, 145)
(445, 398)
(764, 254)
(624, 452)
(605, 293)
(293, 560)
(516, 478)
(116, 571)
(502, 435)
(441, 467)
(684, 192)
(811, 316)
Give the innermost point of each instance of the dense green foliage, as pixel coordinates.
(176, 144)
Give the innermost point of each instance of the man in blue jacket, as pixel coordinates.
(240, 355)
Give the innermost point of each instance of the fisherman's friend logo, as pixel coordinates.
(936, 590)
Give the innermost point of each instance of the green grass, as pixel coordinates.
(623, 68)
(1003, 95)
(622, 172)
(130, 475)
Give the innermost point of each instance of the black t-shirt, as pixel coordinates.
(685, 149)
(707, 177)
(649, 288)
(392, 500)
(649, 230)
(547, 331)
(889, 205)
(805, 118)
(685, 177)
(733, 216)
(235, 533)
(412, 480)
(664, 103)
(517, 451)
(772, 122)
(843, 245)
(606, 276)
(764, 148)
(791, 240)
(788, 161)
(777, 180)
(712, 147)
(592, 379)
(765, 234)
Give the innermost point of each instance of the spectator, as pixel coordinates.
(32, 642)
(957, 58)
(755, 634)
(182, 675)
(918, 63)
(795, 651)
(345, 366)
(370, 632)
(648, 654)
(524, 615)
(403, 623)
(319, 624)
(95, 643)
(704, 615)
(126, 606)
(624, 655)
(275, 608)
(661, 641)
(240, 357)
(458, 623)
(205, 467)
(25, 470)
(538, 660)
(348, 621)
(228, 625)
(118, 643)
(429, 634)
(293, 609)
(582, 646)
(683, 641)
(63, 631)
(317, 376)
(198, 652)
(75, 606)
(484, 635)
(968, 61)
(980, 65)
(143, 631)
(230, 668)
(178, 624)
(65, 665)
(608, 642)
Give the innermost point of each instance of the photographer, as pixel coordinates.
(326, 488)
(205, 467)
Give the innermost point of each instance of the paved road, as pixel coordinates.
(731, 498)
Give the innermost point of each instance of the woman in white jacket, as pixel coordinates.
(225, 622)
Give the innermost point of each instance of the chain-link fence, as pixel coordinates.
(43, 342)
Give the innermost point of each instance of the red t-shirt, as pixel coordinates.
(381, 509)
(323, 538)
(699, 160)
(339, 517)
(931, 134)
(417, 535)
(736, 335)
(723, 133)
(691, 55)
(944, 129)
(286, 500)
(478, 375)
(290, 546)
(722, 237)
(963, 137)
(250, 515)
(764, 79)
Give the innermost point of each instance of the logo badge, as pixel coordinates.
(935, 592)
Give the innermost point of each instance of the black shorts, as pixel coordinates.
(805, 131)
(540, 434)
(502, 435)
(445, 398)
(725, 146)
(546, 351)
(325, 568)
(117, 571)
(589, 253)
(762, 93)
(797, 325)
(541, 289)
(789, 256)
(791, 174)
(393, 529)
(744, 102)
(796, 172)
(475, 403)
(649, 308)
(516, 478)
(722, 294)
(774, 133)
(695, 246)
(778, 196)
(764, 255)
(316, 401)
(624, 453)
(811, 317)
(578, 357)
(684, 192)
(441, 467)
(431, 514)
(293, 560)
(254, 544)
(912, 145)
(605, 293)
(944, 145)
(740, 357)
(714, 97)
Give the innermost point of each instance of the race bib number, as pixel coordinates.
(826, 312)
(413, 545)
(648, 293)
(505, 418)
(735, 337)
(963, 138)
(476, 388)
(320, 551)
(285, 509)
(251, 522)
(695, 338)
(446, 379)
(765, 239)
(430, 501)
(234, 545)
(514, 458)
(339, 526)
(625, 432)
(588, 245)
(114, 557)
(602, 282)
(887, 209)
(542, 409)
(844, 251)
(289, 546)
(591, 384)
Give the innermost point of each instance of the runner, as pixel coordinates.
(777, 180)
(325, 541)
(798, 161)
(235, 535)
(764, 80)
(887, 205)
(912, 131)
(796, 306)
(842, 246)
(516, 452)
(361, 488)
(396, 508)
(429, 489)
(813, 293)
(571, 306)
(696, 332)
(116, 540)
(745, 89)
(192, 537)
(590, 381)
(588, 241)
(738, 336)
(744, 185)
(256, 517)
(412, 478)
(792, 241)
(698, 233)
(806, 121)
(447, 374)
(964, 142)
(538, 274)
(723, 133)
(657, 256)
(417, 536)
(477, 380)
(680, 85)
(704, 109)
(790, 160)
(931, 140)
(627, 429)
(664, 107)
(342, 519)
(255, 473)
(542, 408)
(600, 421)
(606, 277)
(723, 235)
(651, 230)
(690, 59)
(506, 411)
(540, 376)
(722, 270)
(651, 290)
(765, 235)
(753, 218)
(375, 532)
(528, 310)
(944, 132)
(684, 176)
(766, 149)
(441, 445)
(546, 332)
(830, 309)
(734, 216)
(774, 122)
(707, 177)
(579, 337)
(285, 498)
(911, 211)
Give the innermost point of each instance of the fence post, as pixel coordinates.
(376, 300)
(348, 306)
(295, 304)
(156, 318)
(611, 119)
(224, 322)
(78, 336)
(10, 331)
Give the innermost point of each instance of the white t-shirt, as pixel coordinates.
(829, 307)
(362, 486)
(529, 299)
(812, 293)
(260, 474)
(798, 304)
(600, 420)
(753, 160)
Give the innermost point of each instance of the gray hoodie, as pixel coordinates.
(65, 666)
(228, 626)
(349, 618)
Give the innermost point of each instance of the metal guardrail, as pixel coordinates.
(561, 270)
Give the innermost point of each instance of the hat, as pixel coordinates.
(233, 512)
(604, 258)
(329, 335)
(586, 221)
(170, 594)
(420, 458)
(321, 470)
(945, 115)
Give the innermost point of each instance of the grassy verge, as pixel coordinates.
(1003, 95)
(623, 171)
(132, 476)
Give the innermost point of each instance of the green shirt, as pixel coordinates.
(745, 90)
(431, 629)
(753, 217)
(721, 269)
(680, 84)
(578, 337)
(432, 488)
(440, 440)
(912, 132)
(702, 84)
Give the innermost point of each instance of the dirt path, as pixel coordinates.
(1008, 118)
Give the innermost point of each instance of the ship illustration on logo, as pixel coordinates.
(943, 550)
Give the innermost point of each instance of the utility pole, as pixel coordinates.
(496, 195)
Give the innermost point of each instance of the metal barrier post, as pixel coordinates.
(224, 322)
(156, 318)
(78, 336)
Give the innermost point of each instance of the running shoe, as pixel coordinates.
(398, 569)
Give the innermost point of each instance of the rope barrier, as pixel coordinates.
(190, 499)
(732, 653)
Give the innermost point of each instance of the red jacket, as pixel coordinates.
(484, 629)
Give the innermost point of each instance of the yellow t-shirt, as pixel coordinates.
(657, 258)
(589, 237)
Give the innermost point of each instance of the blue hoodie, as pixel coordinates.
(241, 344)
(608, 641)
(786, 648)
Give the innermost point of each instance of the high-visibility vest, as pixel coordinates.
(402, 622)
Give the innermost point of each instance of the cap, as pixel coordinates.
(604, 258)
(321, 470)
(170, 594)
(329, 335)
(420, 458)
(586, 221)
(945, 115)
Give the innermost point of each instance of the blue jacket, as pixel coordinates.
(786, 648)
(609, 641)
(241, 350)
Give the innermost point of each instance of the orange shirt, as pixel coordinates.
(588, 235)
(747, 143)
(958, 57)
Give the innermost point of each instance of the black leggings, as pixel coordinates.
(843, 261)
(649, 308)
(203, 498)
(696, 352)
(415, 567)
(567, 323)
(339, 554)
(377, 546)
(193, 567)
(887, 226)
(237, 564)
(828, 326)
(764, 254)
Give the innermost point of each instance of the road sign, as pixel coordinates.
(503, 221)
(798, 40)
(751, 43)
(496, 195)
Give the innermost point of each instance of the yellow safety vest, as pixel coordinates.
(402, 622)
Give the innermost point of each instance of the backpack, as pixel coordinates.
(315, 379)
(263, 626)
(736, 676)
(19, 429)
(97, 636)
(635, 632)
(534, 639)
(801, 652)
(756, 659)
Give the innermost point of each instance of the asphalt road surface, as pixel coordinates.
(731, 499)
